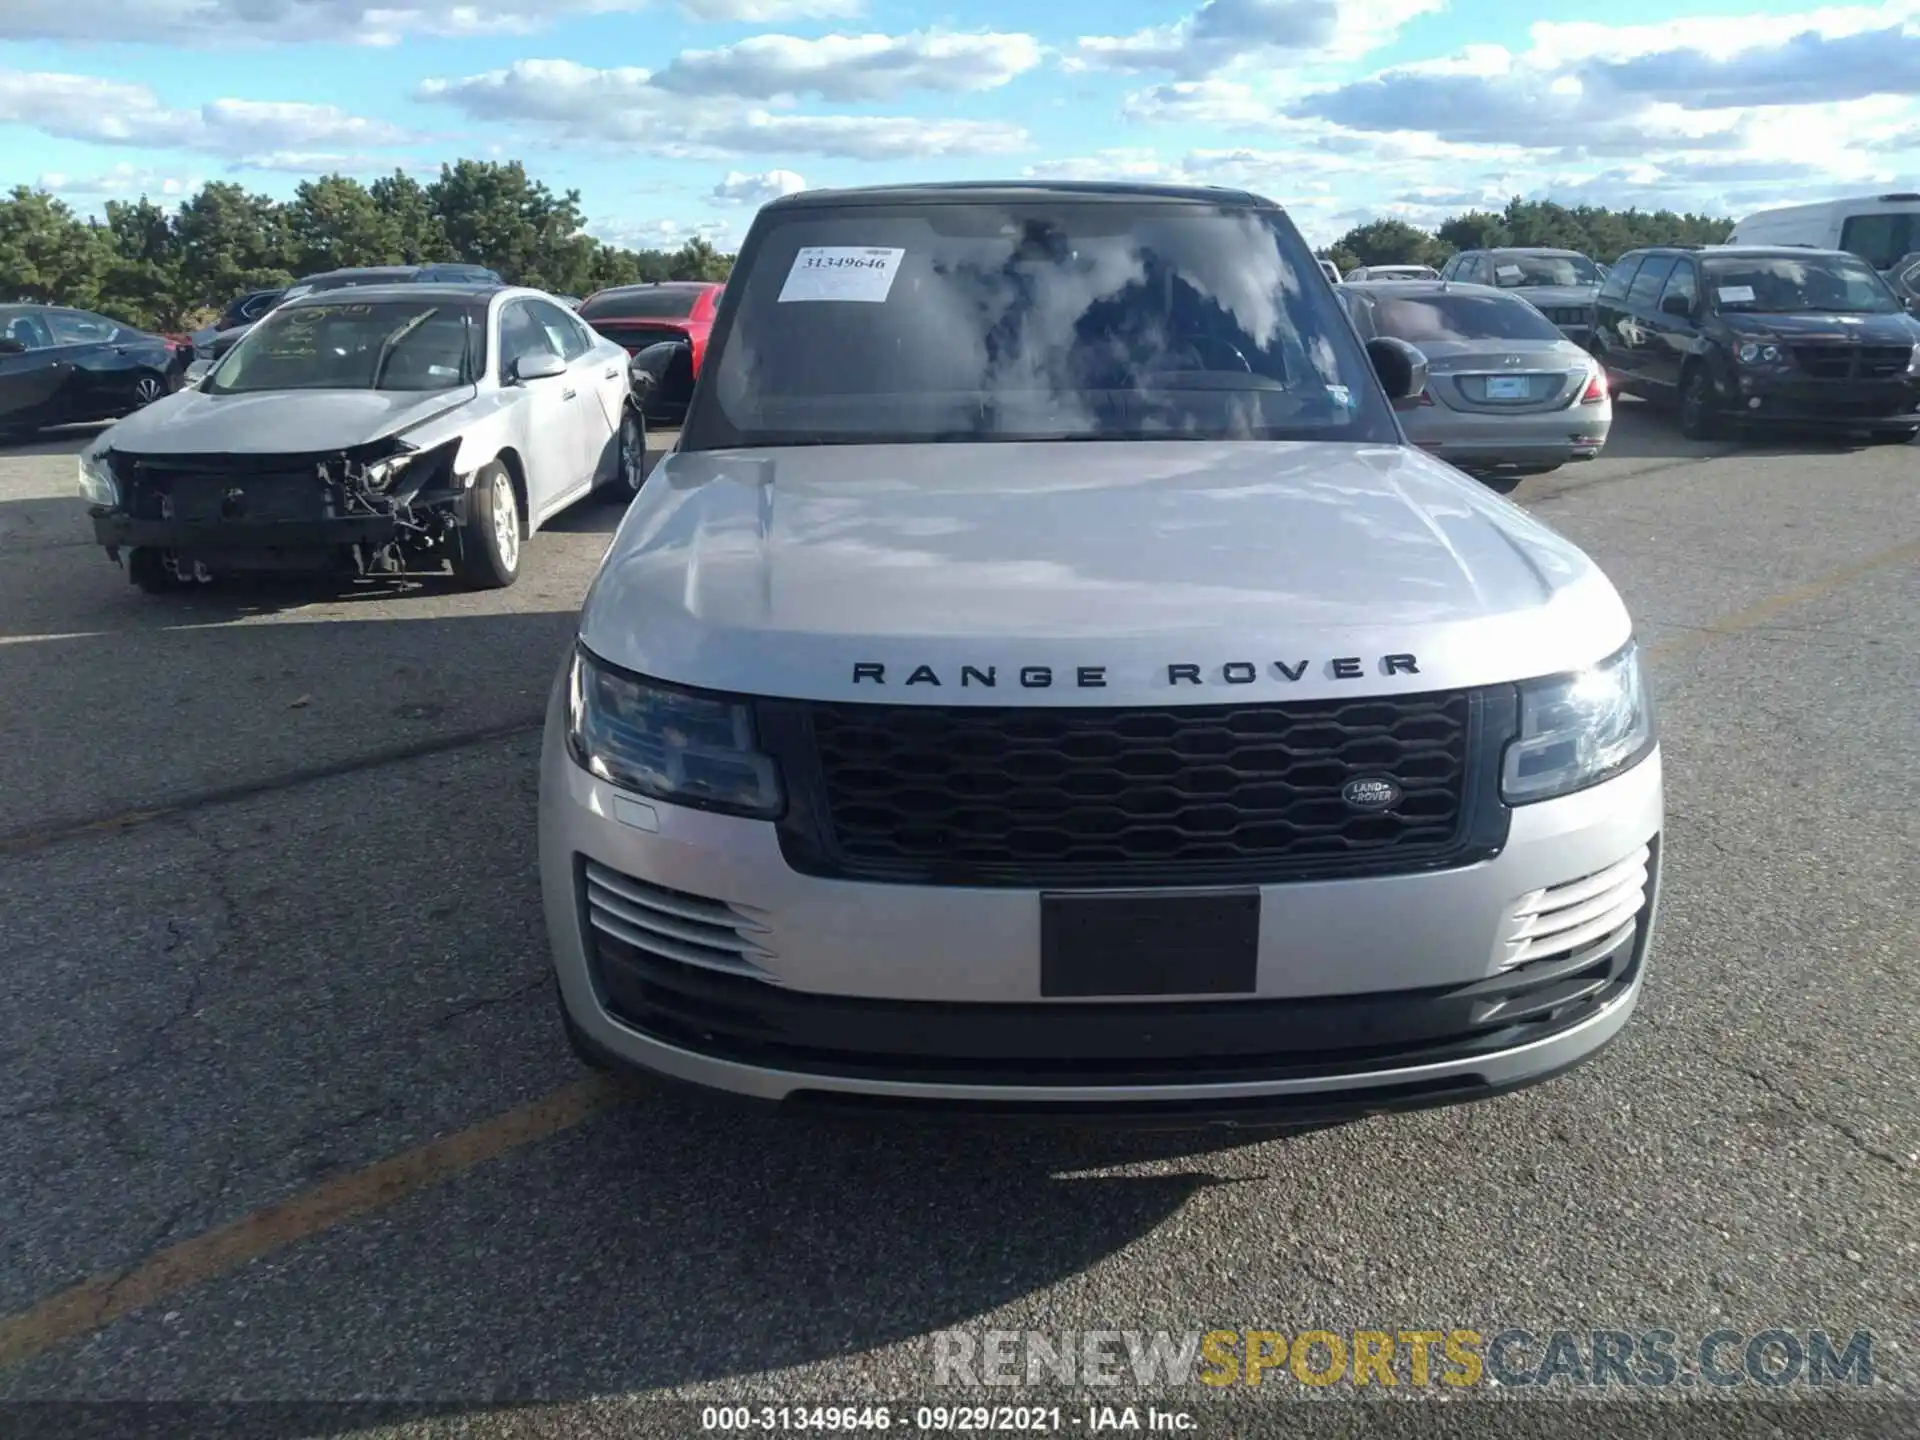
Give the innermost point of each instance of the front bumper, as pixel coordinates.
(117, 530)
(1373, 994)
(1761, 395)
(1474, 439)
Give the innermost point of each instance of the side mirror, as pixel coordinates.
(541, 365)
(11, 346)
(668, 368)
(1676, 305)
(1402, 368)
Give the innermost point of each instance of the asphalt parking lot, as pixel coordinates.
(286, 1113)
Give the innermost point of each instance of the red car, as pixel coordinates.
(637, 316)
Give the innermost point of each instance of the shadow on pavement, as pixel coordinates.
(1649, 430)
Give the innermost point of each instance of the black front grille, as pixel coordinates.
(1058, 796)
(1853, 362)
(1563, 315)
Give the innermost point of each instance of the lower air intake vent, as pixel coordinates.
(1564, 918)
(673, 925)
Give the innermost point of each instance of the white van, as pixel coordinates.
(1878, 228)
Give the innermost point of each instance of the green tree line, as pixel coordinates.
(175, 270)
(1601, 234)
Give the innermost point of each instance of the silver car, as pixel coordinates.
(1044, 680)
(377, 430)
(1392, 272)
(1507, 394)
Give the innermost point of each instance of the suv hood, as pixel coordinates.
(1093, 566)
(1893, 329)
(277, 422)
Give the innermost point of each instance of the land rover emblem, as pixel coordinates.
(1370, 794)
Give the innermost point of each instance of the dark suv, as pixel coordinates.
(1762, 332)
(1560, 284)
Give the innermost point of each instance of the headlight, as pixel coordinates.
(1753, 353)
(1577, 730)
(96, 478)
(381, 473)
(670, 744)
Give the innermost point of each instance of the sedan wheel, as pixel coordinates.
(506, 526)
(489, 554)
(147, 389)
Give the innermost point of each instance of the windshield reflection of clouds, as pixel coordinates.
(1040, 325)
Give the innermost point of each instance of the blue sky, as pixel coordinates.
(678, 117)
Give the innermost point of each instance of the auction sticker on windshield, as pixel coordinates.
(842, 272)
(1736, 294)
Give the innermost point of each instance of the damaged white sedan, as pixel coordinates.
(389, 429)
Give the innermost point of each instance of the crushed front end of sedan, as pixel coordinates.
(383, 507)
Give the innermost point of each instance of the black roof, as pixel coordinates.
(397, 271)
(964, 192)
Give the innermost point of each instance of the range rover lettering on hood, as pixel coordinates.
(1094, 677)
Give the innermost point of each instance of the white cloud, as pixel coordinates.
(577, 103)
(223, 23)
(771, 12)
(122, 182)
(1124, 163)
(1225, 34)
(738, 188)
(108, 112)
(851, 67)
(1699, 84)
(328, 162)
(657, 234)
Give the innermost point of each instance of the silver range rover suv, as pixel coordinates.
(1044, 680)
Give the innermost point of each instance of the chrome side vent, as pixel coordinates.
(675, 925)
(1561, 919)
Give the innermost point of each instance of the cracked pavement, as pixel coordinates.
(218, 1010)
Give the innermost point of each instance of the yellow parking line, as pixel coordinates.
(1764, 610)
(97, 1302)
(105, 1298)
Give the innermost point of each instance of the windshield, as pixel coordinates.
(1788, 285)
(384, 345)
(666, 303)
(1049, 320)
(1421, 319)
(1515, 270)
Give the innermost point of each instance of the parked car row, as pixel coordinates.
(1805, 315)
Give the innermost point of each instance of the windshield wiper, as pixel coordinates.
(392, 342)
